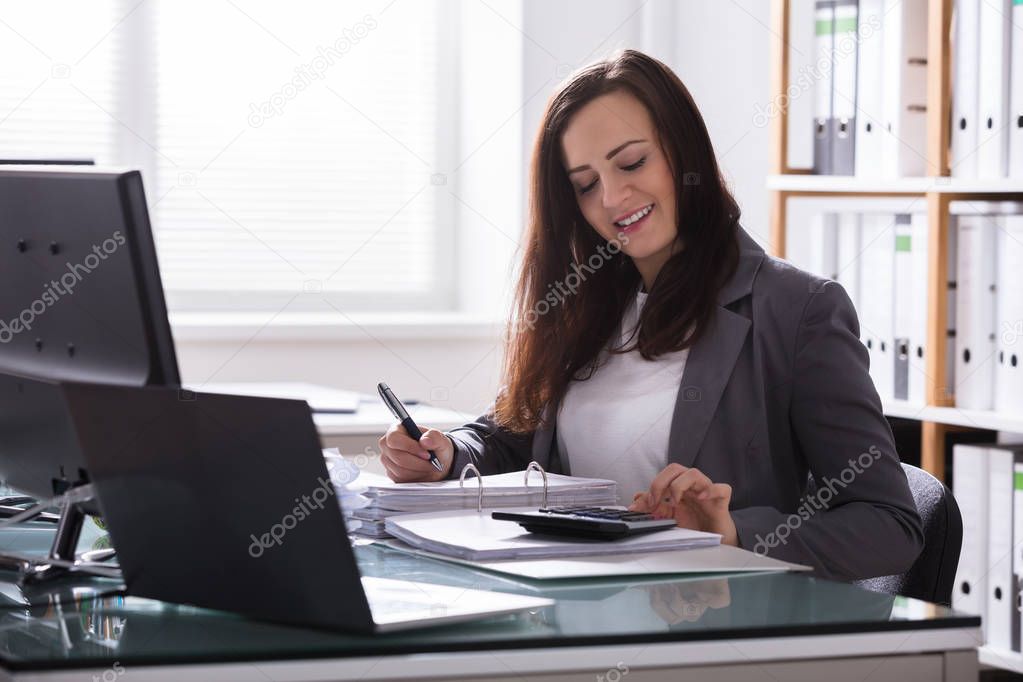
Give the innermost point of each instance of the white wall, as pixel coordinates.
(719, 49)
(721, 55)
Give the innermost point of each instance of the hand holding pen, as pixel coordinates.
(408, 453)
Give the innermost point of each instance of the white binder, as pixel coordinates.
(1017, 556)
(1009, 342)
(822, 256)
(970, 487)
(993, 88)
(965, 51)
(904, 141)
(910, 321)
(876, 283)
(1016, 95)
(918, 313)
(975, 311)
(848, 259)
(904, 301)
(843, 98)
(869, 102)
(823, 121)
(951, 327)
(1001, 603)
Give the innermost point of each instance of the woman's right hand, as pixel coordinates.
(407, 460)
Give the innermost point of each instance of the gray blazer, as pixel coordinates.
(776, 390)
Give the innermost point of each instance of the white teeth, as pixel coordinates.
(635, 216)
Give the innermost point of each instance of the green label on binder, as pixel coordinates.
(1018, 476)
(824, 26)
(903, 242)
(847, 24)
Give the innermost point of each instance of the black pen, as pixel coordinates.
(401, 414)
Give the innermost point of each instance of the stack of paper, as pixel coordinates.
(382, 498)
(475, 536)
(499, 491)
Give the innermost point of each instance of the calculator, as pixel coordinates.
(597, 523)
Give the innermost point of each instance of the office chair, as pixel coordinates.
(932, 575)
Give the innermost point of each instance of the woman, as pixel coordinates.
(656, 344)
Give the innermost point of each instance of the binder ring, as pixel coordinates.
(533, 466)
(461, 484)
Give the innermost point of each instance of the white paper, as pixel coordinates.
(478, 537)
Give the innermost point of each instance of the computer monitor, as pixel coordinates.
(81, 299)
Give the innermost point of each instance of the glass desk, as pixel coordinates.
(742, 627)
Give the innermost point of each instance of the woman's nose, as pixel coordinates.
(616, 193)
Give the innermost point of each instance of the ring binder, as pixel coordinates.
(479, 477)
(533, 466)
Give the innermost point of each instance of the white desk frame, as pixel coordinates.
(927, 655)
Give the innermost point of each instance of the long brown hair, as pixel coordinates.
(554, 337)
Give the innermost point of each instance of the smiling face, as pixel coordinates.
(622, 180)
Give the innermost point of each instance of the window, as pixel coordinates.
(59, 94)
(293, 154)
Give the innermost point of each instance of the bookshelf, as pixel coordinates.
(937, 189)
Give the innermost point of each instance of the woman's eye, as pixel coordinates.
(587, 188)
(636, 165)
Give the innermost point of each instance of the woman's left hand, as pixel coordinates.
(692, 499)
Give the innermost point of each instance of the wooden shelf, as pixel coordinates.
(955, 416)
(852, 185)
(903, 410)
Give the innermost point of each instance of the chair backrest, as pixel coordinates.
(932, 575)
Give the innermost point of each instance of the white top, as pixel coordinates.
(615, 424)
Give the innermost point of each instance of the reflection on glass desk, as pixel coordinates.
(77, 626)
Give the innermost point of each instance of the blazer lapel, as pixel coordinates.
(708, 368)
(712, 359)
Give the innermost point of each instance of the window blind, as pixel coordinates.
(296, 150)
(292, 153)
(59, 97)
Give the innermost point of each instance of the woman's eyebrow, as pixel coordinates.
(610, 155)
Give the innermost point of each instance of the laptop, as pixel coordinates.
(225, 502)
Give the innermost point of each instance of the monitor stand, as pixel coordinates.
(9, 507)
(61, 559)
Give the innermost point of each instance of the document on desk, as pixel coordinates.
(475, 536)
(383, 498)
(703, 560)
